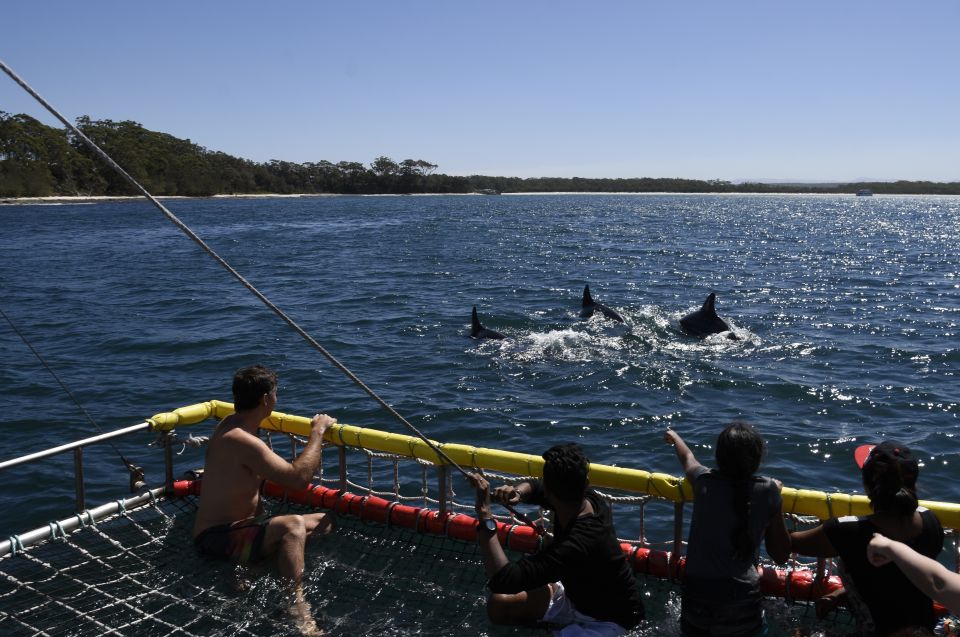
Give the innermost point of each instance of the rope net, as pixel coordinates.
(138, 574)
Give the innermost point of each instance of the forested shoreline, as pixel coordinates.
(37, 160)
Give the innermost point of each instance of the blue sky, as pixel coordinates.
(817, 90)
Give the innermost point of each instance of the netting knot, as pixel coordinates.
(90, 521)
(15, 545)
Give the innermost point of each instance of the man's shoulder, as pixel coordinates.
(238, 438)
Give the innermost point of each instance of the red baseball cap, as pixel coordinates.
(861, 453)
(893, 453)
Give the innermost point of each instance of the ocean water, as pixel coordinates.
(848, 312)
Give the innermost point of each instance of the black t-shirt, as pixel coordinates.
(586, 557)
(882, 598)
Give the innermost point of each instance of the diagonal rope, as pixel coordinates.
(130, 466)
(233, 272)
(50, 369)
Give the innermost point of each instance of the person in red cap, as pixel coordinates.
(881, 599)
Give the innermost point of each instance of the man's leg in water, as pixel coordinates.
(286, 536)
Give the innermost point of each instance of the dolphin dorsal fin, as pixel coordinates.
(587, 299)
(476, 327)
(708, 305)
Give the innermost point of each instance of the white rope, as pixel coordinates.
(39, 594)
(175, 600)
(193, 442)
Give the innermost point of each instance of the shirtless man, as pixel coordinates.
(229, 522)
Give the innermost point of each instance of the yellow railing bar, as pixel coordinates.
(797, 501)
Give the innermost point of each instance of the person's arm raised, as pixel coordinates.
(687, 460)
(293, 475)
(930, 576)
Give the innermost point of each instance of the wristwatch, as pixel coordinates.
(489, 524)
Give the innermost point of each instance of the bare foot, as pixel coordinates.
(302, 616)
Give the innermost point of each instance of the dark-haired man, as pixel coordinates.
(230, 522)
(580, 583)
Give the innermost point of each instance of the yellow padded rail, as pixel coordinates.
(661, 485)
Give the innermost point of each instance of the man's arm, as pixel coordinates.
(494, 558)
(293, 475)
(930, 576)
(687, 460)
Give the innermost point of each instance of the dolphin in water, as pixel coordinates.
(705, 321)
(590, 306)
(479, 331)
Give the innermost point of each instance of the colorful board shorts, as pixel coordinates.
(567, 621)
(240, 542)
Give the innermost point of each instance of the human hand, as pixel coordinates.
(321, 422)
(671, 437)
(482, 504)
(879, 550)
(507, 494)
(825, 605)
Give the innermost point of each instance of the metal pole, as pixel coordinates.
(168, 460)
(7, 464)
(78, 479)
(677, 537)
(83, 518)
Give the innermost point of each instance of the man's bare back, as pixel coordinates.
(231, 489)
(238, 461)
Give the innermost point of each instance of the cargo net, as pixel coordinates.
(407, 573)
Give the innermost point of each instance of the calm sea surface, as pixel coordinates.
(848, 311)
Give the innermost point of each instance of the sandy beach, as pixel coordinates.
(60, 199)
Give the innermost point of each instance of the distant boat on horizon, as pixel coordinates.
(865, 192)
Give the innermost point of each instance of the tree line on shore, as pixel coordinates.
(37, 160)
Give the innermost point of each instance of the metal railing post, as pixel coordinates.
(677, 539)
(78, 479)
(168, 461)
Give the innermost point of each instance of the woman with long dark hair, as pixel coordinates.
(882, 599)
(734, 510)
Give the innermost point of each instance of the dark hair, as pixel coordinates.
(565, 472)
(250, 384)
(740, 449)
(890, 478)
